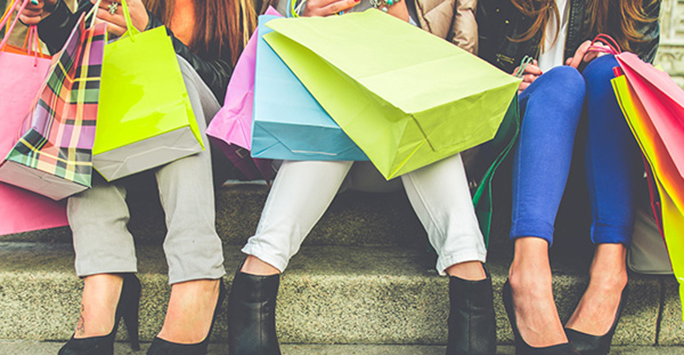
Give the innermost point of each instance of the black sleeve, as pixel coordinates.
(214, 72)
(651, 34)
(54, 30)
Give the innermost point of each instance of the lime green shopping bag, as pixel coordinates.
(404, 96)
(144, 118)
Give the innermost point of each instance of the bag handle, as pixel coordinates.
(613, 46)
(523, 64)
(131, 30)
(5, 20)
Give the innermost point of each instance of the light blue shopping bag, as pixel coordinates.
(288, 122)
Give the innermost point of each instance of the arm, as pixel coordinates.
(54, 29)
(463, 31)
(651, 33)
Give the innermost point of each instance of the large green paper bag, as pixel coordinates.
(145, 118)
(404, 96)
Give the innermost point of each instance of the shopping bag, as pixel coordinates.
(288, 122)
(404, 96)
(145, 118)
(231, 128)
(53, 155)
(654, 118)
(22, 71)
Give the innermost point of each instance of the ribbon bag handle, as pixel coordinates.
(523, 64)
(5, 19)
(613, 46)
(131, 30)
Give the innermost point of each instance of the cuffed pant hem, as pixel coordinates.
(532, 228)
(603, 234)
(444, 262)
(268, 258)
(214, 275)
(108, 270)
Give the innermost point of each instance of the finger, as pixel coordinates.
(523, 86)
(115, 19)
(533, 69)
(338, 6)
(529, 78)
(116, 30)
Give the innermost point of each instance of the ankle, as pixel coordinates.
(469, 271)
(101, 294)
(254, 266)
(191, 310)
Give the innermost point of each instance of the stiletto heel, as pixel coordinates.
(588, 344)
(127, 308)
(164, 347)
(521, 347)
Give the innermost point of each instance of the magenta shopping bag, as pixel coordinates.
(231, 128)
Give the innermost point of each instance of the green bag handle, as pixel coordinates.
(482, 199)
(130, 29)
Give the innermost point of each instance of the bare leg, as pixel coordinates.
(254, 266)
(98, 305)
(598, 307)
(191, 309)
(469, 270)
(531, 282)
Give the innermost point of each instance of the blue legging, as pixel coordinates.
(551, 109)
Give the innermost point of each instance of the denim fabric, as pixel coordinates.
(551, 109)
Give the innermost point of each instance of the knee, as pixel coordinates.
(600, 70)
(561, 89)
(567, 80)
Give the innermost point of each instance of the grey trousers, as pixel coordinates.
(98, 216)
(303, 190)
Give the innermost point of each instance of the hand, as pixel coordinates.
(327, 7)
(531, 73)
(583, 54)
(32, 13)
(116, 23)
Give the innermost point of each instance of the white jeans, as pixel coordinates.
(303, 190)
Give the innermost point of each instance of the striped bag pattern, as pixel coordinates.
(53, 156)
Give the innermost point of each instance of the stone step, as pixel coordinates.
(329, 295)
(353, 219)
(51, 348)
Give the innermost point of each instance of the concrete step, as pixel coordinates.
(353, 219)
(329, 295)
(51, 348)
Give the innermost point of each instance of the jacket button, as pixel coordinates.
(507, 22)
(497, 10)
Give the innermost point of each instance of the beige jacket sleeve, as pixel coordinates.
(453, 20)
(463, 31)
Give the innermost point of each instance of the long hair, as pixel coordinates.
(542, 11)
(619, 18)
(221, 26)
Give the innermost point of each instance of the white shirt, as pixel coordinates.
(554, 52)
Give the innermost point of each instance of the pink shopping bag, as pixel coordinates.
(22, 71)
(231, 128)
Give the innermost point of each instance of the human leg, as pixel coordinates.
(552, 107)
(440, 196)
(193, 248)
(105, 257)
(301, 193)
(613, 168)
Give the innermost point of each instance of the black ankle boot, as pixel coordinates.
(472, 323)
(251, 315)
(127, 308)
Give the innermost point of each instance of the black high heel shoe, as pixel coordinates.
(163, 347)
(521, 347)
(588, 344)
(127, 308)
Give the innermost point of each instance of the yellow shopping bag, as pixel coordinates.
(145, 118)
